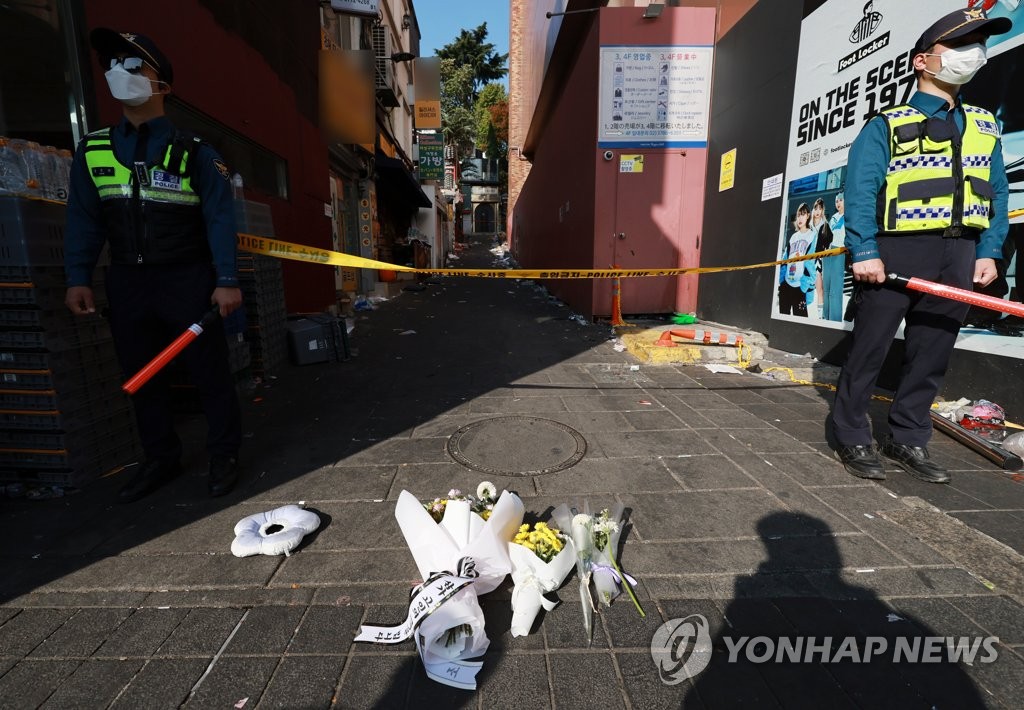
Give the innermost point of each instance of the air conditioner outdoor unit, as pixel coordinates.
(384, 68)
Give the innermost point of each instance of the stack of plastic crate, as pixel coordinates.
(262, 284)
(63, 417)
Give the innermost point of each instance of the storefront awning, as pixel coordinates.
(393, 175)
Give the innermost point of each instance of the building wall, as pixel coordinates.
(251, 97)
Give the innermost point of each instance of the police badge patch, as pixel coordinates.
(167, 181)
(222, 169)
(987, 127)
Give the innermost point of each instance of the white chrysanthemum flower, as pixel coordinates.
(607, 526)
(486, 491)
(581, 520)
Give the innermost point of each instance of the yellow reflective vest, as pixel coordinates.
(151, 213)
(937, 179)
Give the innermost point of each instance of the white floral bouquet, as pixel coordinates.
(596, 537)
(541, 560)
(460, 555)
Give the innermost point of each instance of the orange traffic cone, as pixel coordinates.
(701, 336)
(617, 320)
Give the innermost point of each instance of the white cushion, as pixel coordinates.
(251, 537)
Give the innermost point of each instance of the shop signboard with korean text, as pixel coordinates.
(431, 156)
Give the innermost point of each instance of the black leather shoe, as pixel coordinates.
(150, 476)
(915, 461)
(861, 461)
(223, 474)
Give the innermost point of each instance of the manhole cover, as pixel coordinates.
(517, 446)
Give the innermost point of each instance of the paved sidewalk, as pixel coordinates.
(737, 513)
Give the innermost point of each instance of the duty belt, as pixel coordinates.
(960, 232)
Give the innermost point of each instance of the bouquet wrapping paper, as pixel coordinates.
(459, 558)
(533, 578)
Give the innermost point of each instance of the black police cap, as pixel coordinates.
(960, 23)
(109, 43)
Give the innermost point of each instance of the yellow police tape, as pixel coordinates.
(301, 252)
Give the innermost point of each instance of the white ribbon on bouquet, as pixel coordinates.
(533, 578)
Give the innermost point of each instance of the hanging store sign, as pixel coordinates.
(356, 7)
(431, 156)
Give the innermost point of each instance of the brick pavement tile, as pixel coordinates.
(592, 422)
(153, 572)
(854, 501)
(30, 683)
(326, 630)
(429, 481)
(769, 585)
(756, 617)
(186, 528)
(900, 582)
(720, 441)
(903, 544)
(878, 685)
(372, 682)
(316, 569)
(397, 451)
(624, 625)
(793, 396)
(1003, 678)
(330, 483)
(6, 613)
(142, 633)
(22, 633)
(267, 629)
(767, 440)
(362, 594)
(78, 600)
(937, 617)
(701, 400)
(498, 619)
(739, 684)
(229, 598)
(681, 587)
(687, 414)
(582, 679)
(813, 433)
(201, 633)
(673, 558)
(700, 514)
(1003, 526)
(1001, 616)
(998, 488)
(709, 609)
(943, 497)
(608, 476)
(444, 425)
(621, 403)
(514, 682)
(344, 526)
(563, 628)
(654, 421)
(739, 395)
(82, 634)
(650, 443)
(804, 686)
(773, 413)
(306, 682)
(807, 506)
(708, 472)
(232, 679)
(646, 689)
(735, 419)
(93, 684)
(497, 406)
(807, 468)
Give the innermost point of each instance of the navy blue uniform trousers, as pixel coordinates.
(932, 324)
(151, 305)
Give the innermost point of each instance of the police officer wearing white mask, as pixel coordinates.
(162, 200)
(926, 196)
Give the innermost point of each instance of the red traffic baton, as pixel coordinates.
(958, 294)
(170, 352)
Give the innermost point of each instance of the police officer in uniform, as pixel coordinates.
(162, 200)
(926, 196)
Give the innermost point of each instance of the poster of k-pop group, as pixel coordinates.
(855, 60)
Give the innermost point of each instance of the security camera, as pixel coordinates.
(608, 155)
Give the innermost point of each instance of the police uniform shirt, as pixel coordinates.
(866, 173)
(85, 235)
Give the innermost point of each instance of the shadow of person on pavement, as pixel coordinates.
(797, 634)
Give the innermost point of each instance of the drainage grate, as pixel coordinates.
(517, 446)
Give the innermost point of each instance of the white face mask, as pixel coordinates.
(128, 88)
(960, 65)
